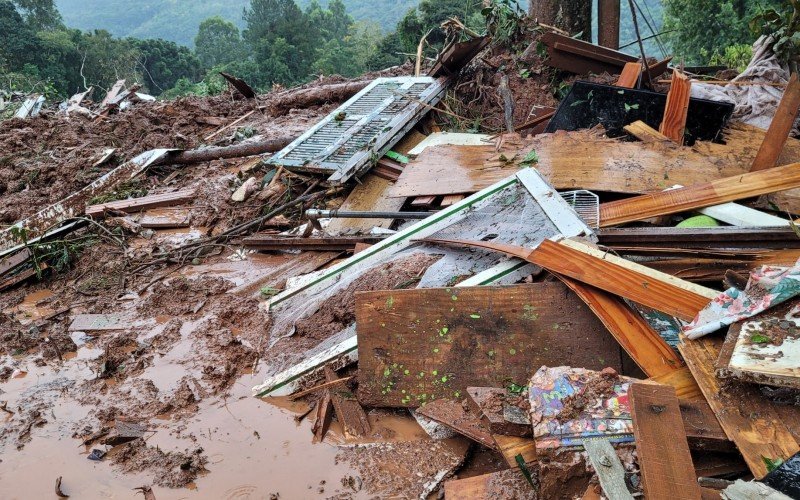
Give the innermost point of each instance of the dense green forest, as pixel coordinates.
(177, 20)
(280, 42)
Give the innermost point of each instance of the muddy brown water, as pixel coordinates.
(254, 447)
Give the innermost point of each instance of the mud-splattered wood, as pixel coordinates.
(368, 196)
(700, 195)
(413, 345)
(780, 127)
(458, 416)
(348, 411)
(143, 203)
(757, 434)
(512, 446)
(322, 416)
(643, 344)
(495, 406)
(509, 483)
(676, 110)
(664, 459)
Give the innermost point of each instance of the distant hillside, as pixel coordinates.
(177, 20)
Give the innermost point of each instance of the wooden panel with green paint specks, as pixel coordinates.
(418, 345)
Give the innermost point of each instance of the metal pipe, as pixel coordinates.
(314, 214)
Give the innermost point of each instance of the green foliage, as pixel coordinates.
(734, 56)
(703, 28)
(218, 42)
(503, 20)
(163, 63)
(39, 14)
(784, 27)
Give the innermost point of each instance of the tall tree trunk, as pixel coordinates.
(572, 16)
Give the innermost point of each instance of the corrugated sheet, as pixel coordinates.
(363, 128)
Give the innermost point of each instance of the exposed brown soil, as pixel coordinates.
(170, 469)
(597, 388)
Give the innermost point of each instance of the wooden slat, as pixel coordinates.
(677, 107)
(451, 199)
(420, 340)
(750, 420)
(508, 483)
(645, 132)
(629, 75)
(643, 344)
(664, 459)
(423, 201)
(779, 128)
(601, 273)
(349, 413)
(511, 446)
(608, 468)
(143, 203)
(683, 382)
(456, 416)
(700, 195)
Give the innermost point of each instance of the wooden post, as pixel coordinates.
(677, 108)
(780, 127)
(608, 23)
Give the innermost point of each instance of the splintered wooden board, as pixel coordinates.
(759, 427)
(419, 345)
(664, 459)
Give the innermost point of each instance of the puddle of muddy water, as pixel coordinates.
(254, 447)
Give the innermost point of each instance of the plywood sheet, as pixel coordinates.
(584, 159)
(419, 345)
(369, 196)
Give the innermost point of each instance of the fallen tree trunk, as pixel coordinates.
(225, 152)
(281, 103)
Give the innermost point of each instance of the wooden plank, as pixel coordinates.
(664, 459)
(630, 74)
(586, 159)
(419, 341)
(757, 434)
(9, 263)
(702, 427)
(700, 195)
(143, 203)
(780, 127)
(643, 344)
(508, 483)
(511, 446)
(675, 112)
(608, 468)
(683, 382)
(458, 416)
(641, 288)
(645, 132)
(349, 413)
(423, 201)
(451, 199)
(322, 416)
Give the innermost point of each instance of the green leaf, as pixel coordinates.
(530, 158)
(757, 338)
(772, 464)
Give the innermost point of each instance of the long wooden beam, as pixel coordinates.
(586, 268)
(700, 195)
(779, 128)
(643, 344)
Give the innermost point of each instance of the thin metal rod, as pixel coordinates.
(332, 214)
(641, 45)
